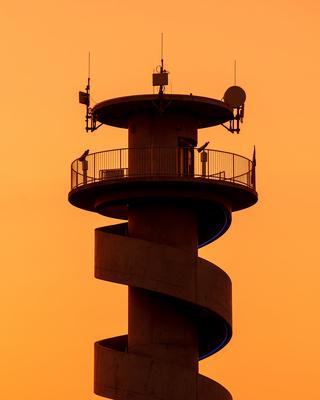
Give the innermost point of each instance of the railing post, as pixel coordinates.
(253, 175)
(94, 167)
(232, 167)
(77, 175)
(72, 172)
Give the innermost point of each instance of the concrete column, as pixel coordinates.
(158, 326)
(161, 129)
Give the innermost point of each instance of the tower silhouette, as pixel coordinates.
(175, 198)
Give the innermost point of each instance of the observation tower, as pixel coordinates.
(174, 197)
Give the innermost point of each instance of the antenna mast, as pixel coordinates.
(160, 78)
(84, 98)
(235, 97)
(88, 113)
(161, 52)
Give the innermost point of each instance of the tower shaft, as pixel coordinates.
(175, 199)
(158, 326)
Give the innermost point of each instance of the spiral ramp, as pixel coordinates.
(198, 289)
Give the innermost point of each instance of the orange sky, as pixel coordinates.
(52, 309)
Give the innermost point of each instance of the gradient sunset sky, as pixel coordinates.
(52, 308)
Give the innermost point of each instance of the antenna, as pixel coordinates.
(84, 98)
(235, 98)
(89, 66)
(88, 113)
(160, 78)
(162, 52)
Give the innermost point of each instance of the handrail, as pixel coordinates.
(161, 147)
(176, 162)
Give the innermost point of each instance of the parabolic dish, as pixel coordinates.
(235, 96)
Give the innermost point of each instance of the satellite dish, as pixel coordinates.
(235, 96)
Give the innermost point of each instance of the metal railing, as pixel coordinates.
(179, 162)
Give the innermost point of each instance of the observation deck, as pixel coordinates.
(213, 182)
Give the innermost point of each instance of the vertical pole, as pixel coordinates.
(253, 176)
(72, 173)
(77, 175)
(232, 167)
(94, 167)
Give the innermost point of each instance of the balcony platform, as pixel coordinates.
(111, 183)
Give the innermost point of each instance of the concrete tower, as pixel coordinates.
(175, 198)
